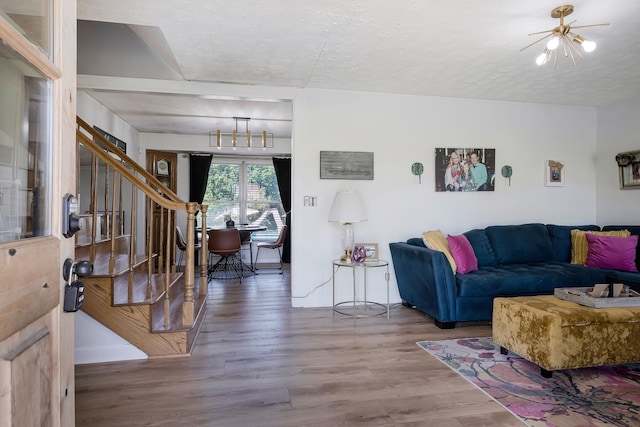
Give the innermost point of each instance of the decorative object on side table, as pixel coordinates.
(359, 253)
(347, 208)
(370, 251)
(417, 169)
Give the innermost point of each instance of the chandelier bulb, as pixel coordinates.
(553, 43)
(543, 58)
(588, 46)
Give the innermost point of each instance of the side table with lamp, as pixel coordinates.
(347, 209)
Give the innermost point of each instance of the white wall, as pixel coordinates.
(94, 113)
(618, 131)
(93, 342)
(401, 130)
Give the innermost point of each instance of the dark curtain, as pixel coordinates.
(282, 166)
(198, 176)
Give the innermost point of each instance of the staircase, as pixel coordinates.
(133, 290)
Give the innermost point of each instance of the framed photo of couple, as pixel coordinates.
(465, 169)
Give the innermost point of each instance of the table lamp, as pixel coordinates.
(347, 208)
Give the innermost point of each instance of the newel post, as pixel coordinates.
(204, 253)
(187, 304)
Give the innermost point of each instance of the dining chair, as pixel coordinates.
(182, 246)
(246, 242)
(276, 244)
(225, 243)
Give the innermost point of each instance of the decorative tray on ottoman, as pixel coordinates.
(582, 296)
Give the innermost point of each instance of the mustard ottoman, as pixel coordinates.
(556, 334)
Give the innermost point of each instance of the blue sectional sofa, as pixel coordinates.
(513, 260)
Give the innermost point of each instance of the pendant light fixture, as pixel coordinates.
(563, 39)
(217, 139)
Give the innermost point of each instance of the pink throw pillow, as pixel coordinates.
(615, 253)
(462, 253)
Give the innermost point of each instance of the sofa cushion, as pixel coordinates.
(481, 247)
(526, 279)
(520, 243)
(580, 247)
(435, 240)
(616, 253)
(561, 239)
(634, 230)
(416, 241)
(462, 253)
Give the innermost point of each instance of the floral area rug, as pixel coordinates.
(604, 396)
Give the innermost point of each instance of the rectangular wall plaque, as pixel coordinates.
(346, 165)
(112, 139)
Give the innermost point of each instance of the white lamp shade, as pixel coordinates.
(347, 208)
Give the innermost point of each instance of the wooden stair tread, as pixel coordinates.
(143, 293)
(121, 264)
(82, 241)
(103, 242)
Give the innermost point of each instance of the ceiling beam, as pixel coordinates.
(195, 88)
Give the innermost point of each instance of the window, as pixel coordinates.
(25, 147)
(245, 191)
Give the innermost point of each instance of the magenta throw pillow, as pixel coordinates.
(462, 253)
(615, 253)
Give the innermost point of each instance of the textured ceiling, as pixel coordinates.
(463, 48)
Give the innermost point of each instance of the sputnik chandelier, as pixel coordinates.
(562, 35)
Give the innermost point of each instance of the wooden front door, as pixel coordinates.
(37, 168)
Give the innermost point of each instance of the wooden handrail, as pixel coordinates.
(151, 192)
(129, 161)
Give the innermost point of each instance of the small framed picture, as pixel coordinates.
(554, 173)
(370, 251)
(629, 169)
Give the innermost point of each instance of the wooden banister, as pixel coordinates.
(154, 182)
(118, 169)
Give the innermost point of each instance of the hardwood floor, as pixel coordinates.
(259, 362)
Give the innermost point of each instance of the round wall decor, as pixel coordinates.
(417, 169)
